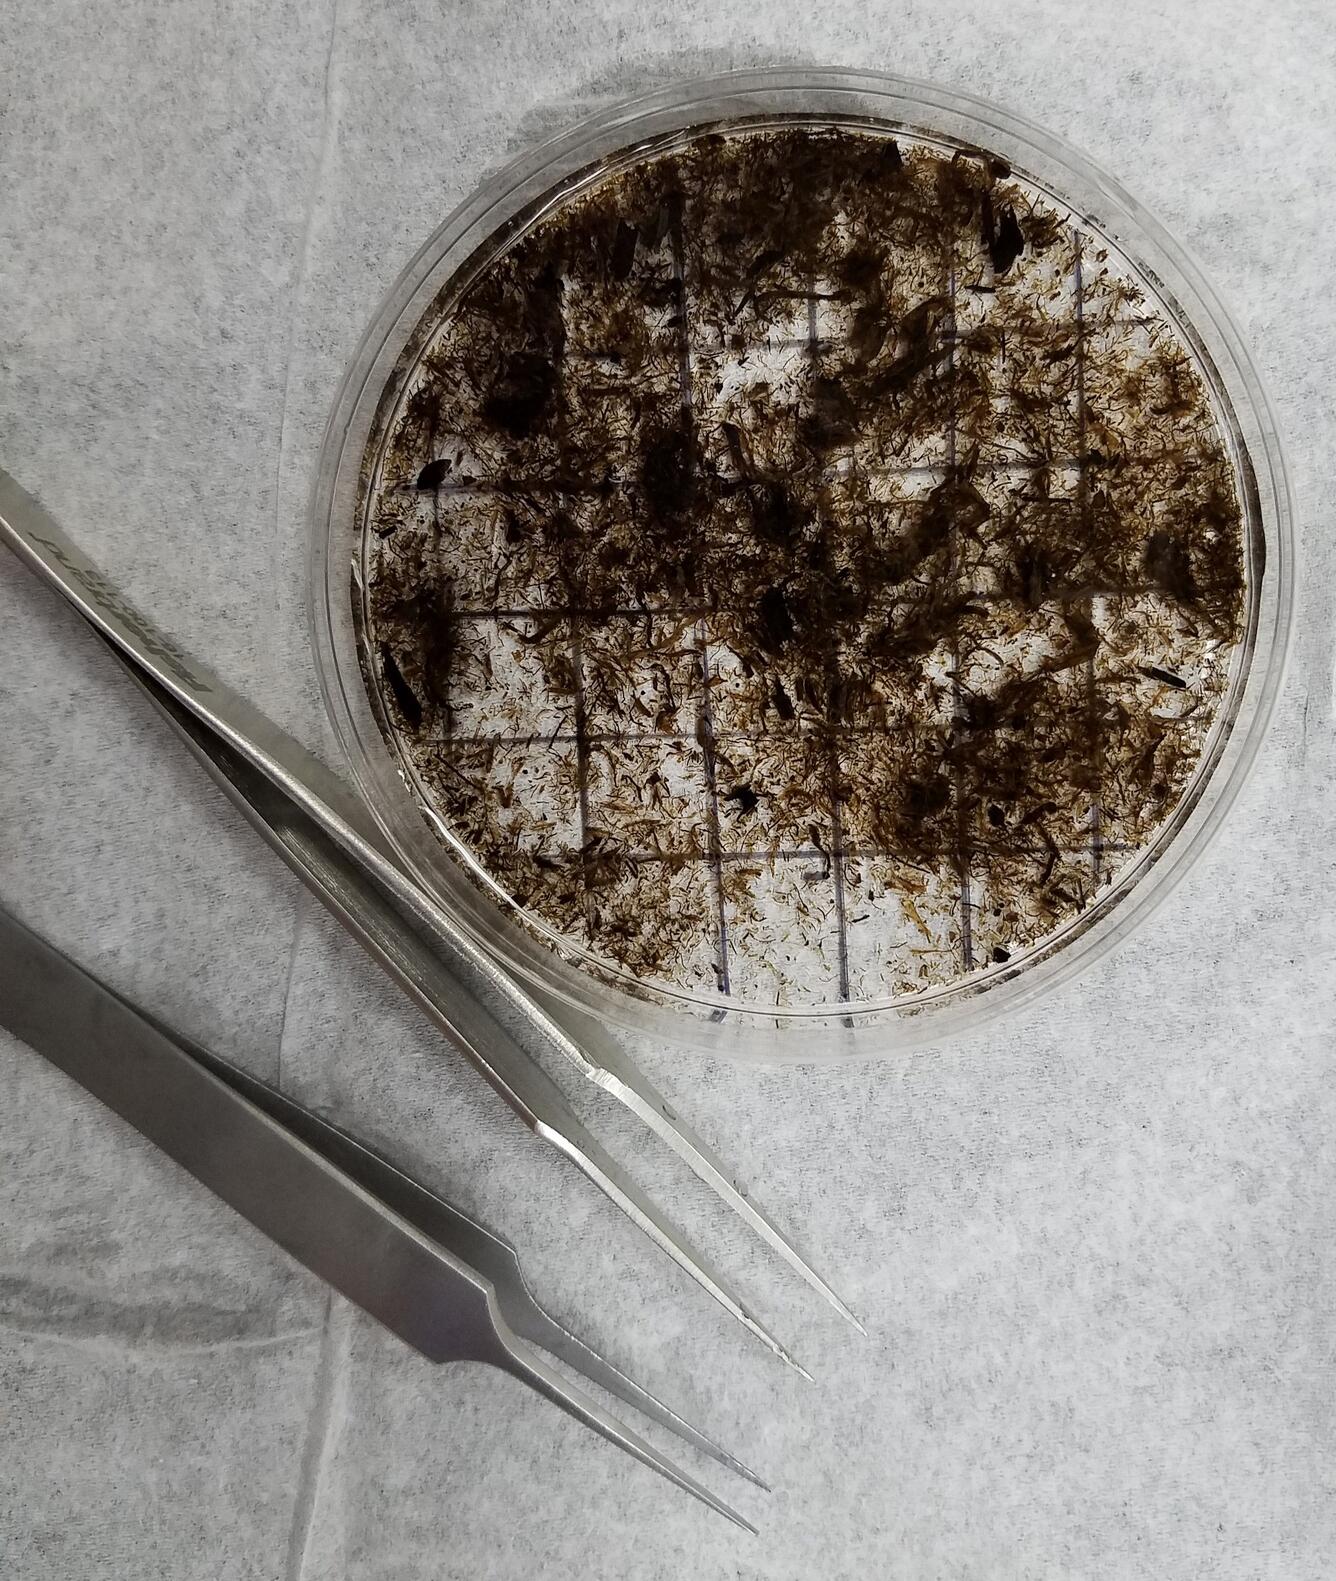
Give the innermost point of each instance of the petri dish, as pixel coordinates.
(800, 564)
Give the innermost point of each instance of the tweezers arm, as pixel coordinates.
(284, 1187)
(371, 913)
(29, 531)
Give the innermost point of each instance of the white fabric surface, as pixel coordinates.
(1094, 1248)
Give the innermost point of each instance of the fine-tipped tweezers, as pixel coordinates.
(426, 1270)
(329, 838)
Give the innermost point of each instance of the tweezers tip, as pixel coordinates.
(729, 1513)
(842, 1307)
(770, 1340)
(699, 1491)
(738, 1469)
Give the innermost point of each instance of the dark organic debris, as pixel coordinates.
(1154, 673)
(873, 559)
(746, 798)
(433, 474)
(1002, 235)
(1168, 564)
(405, 698)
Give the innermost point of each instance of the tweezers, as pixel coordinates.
(329, 839)
(425, 1269)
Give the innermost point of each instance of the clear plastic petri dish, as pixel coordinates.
(800, 564)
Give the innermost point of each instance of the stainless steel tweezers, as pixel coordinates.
(426, 1270)
(326, 835)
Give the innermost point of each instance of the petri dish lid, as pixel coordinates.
(801, 554)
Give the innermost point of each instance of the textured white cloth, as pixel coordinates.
(1094, 1248)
